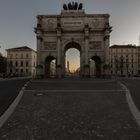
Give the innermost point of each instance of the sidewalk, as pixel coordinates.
(84, 115)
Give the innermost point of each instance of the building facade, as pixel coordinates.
(73, 28)
(125, 60)
(21, 61)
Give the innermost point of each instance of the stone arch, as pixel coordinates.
(69, 45)
(72, 44)
(50, 68)
(97, 65)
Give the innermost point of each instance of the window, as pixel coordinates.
(11, 55)
(21, 63)
(16, 63)
(27, 56)
(26, 70)
(16, 55)
(21, 55)
(27, 64)
(11, 63)
(21, 70)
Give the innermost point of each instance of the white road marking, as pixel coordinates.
(134, 110)
(74, 91)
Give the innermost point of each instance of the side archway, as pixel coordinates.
(50, 66)
(95, 66)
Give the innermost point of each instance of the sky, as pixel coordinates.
(18, 19)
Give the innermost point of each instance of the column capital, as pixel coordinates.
(106, 37)
(39, 38)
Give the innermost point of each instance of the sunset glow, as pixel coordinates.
(73, 56)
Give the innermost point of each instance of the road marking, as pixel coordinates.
(74, 91)
(134, 110)
(72, 81)
(11, 108)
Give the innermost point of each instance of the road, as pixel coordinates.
(78, 109)
(133, 84)
(9, 90)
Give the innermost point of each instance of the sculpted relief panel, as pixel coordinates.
(95, 45)
(49, 45)
(50, 23)
(96, 23)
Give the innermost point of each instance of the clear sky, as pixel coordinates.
(18, 19)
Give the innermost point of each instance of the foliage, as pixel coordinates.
(3, 64)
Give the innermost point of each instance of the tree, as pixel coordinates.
(3, 64)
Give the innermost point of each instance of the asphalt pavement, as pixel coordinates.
(133, 84)
(9, 89)
(72, 110)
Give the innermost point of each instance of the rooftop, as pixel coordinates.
(23, 48)
(124, 46)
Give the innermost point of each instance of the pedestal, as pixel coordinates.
(59, 71)
(86, 71)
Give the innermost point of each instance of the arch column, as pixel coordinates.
(39, 71)
(86, 66)
(59, 65)
(108, 29)
(106, 39)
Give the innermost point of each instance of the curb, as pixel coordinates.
(134, 110)
(12, 107)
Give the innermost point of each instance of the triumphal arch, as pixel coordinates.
(72, 28)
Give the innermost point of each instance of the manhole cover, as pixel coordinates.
(39, 94)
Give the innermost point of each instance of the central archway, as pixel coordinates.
(72, 64)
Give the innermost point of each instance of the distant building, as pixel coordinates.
(124, 60)
(21, 61)
(139, 60)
